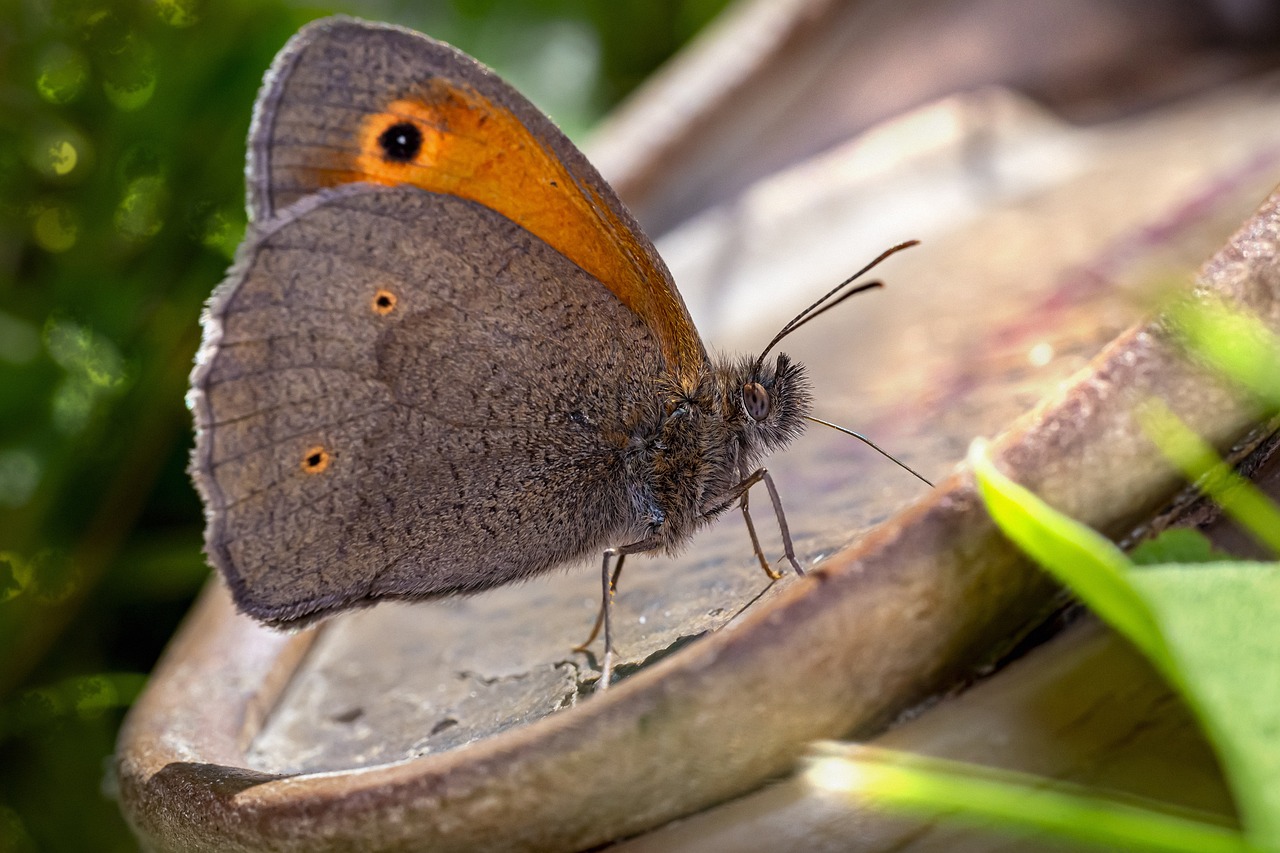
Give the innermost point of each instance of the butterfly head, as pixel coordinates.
(772, 400)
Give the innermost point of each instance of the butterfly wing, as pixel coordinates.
(405, 394)
(349, 101)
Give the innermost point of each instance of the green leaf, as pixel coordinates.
(1221, 622)
(1176, 545)
(1073, 553)
(1212, 628)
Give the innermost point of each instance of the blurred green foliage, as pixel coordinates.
(121, 201)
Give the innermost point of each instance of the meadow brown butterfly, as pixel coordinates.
(446, 357)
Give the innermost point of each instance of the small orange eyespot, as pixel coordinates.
(315, 460)
(384, 302)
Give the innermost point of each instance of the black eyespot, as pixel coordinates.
(401, 142)
(384, 302)
(315, 460)
(755, 399)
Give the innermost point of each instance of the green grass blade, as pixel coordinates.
(1073, 553)
(1199, 463)
(1012, 802)
(1239, 346)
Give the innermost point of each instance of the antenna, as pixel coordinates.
(872, 445)
(833, 298)
(830, 300)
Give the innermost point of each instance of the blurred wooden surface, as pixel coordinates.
(1084, 707)
(469, 723)
(778, 82)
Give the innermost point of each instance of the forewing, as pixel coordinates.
(340, 85)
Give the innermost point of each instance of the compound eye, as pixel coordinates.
(755, 399)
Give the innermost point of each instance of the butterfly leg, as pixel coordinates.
(611, 590)
(606, 609)
(749, 480)
(755, 540)
(609, 581)
(787, 548)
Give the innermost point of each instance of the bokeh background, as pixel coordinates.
(121, 203)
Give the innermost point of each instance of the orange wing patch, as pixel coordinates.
(452, 140)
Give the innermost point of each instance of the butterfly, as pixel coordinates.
(447, 357)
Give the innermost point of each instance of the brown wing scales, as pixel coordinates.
(352, 447)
